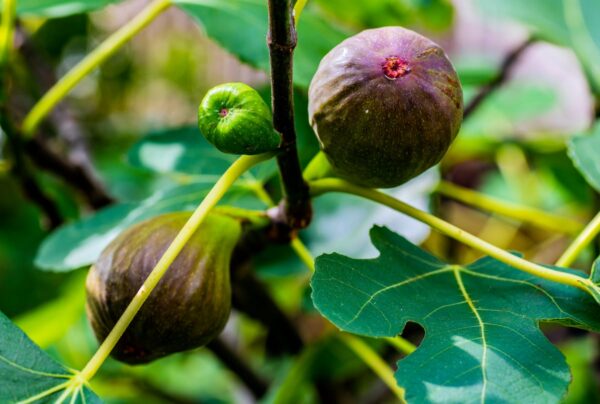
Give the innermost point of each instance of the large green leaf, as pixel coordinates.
(181, 153)
(240, 26)
(59, 8)
(584, 151)
(482, 341)
(27, 372)
(573, 23)
(80, 243)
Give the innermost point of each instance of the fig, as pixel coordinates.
(190, 305)
(235, 119)
(385, 105)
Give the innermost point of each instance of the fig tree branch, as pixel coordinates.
(24, 175)
(282, 42)
(500, 79)
(90, 62)
(76, 169)
(255, 383)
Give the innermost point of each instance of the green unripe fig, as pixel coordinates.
(190, 305)
(235, 119)
(385, 105)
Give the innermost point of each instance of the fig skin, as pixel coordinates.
(190, 305)
(385, 105)
(236, 120)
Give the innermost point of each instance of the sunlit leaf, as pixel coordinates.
(482, 341)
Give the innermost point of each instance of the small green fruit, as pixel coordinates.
(385, 105)
(235, 119)
(190, 305)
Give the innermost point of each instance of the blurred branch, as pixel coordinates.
(255, 383)
(75, 175)
(507, 64)
(282, 42)
(525, 214)
(98, 56)
(76, 169)
(26, 178)
(253, 299)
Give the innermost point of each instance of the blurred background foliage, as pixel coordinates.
(137, 116)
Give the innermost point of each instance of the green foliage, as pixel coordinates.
(583, 150)
(26, 372)
(179, 150)
(431, 14)
(240, 26)
(481, 321)
(59, 8)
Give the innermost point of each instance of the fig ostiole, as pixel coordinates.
(385, 105)
(190, 305)
(235, 119)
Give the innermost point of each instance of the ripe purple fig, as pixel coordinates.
(190, 305)
(385, 105)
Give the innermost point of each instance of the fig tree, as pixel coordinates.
(235, 119)
(190, 305)
(385, 105)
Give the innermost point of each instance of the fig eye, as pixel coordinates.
(395, 67)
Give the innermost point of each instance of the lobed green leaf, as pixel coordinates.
(482, 338)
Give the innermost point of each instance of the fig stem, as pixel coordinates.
(7, 29)
(584, 238)
(323, 186)
(282, 42)
(298, 8)
(99, 55)
(237, 168)
(525, 214)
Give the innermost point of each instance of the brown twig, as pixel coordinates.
(76, 169)
(74, 174)
(282, 42)
(255, 383)
(505, 68)
(27, 181)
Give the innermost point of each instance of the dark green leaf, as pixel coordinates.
(481, 321)
(27, 372)
(584, 151)
(240, 26)
(184, 150)
(80, 243)
(59, 8)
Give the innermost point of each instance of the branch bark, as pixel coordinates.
(76, 169)
(500, 79)
(282, 42)
(255, 383)
(27, 181)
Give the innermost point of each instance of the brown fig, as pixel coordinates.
(385, 105)
(190, 305)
